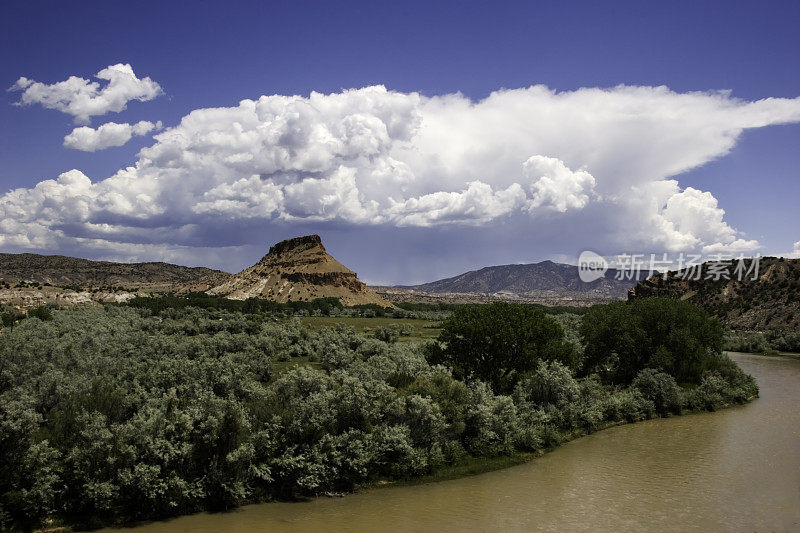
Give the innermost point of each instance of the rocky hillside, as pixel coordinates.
(772, 301)
(539, 281)
(299, 269)
(62, 271)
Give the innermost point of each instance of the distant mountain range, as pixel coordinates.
(772, 301)
(301, 269)
(547, 281)
(63, 271)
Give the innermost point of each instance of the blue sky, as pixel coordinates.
(208, 54)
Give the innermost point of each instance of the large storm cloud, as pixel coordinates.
(554, 171)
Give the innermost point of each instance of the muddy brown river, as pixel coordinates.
(734, 470)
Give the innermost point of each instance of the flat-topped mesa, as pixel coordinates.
(300, 254)
(299, 269)
(298, 243)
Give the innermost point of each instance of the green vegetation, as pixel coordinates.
(408, 329)
(448, 308)
(769, 342)
(115, 414)
(623, 338)
(201, 300)
(428, 307)
(9, 317)
(499, 342)
(318, 307)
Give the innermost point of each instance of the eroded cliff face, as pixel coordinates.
(771, 301)
(30, 280)
(24, 298)
(77, 273)
(299, 269)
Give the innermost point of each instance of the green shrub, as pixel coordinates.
(551, 383)
(660, 388)
(746, 341)
(43, 313)
(709, 395)
(628, 405)
(491, 422)
(387, 333)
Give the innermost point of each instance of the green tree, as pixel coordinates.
(42, 312)
(622, 338)
(10, 317)
(499, 343)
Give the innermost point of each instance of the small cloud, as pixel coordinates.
(794, 254)
(110, 134)
(83, 98)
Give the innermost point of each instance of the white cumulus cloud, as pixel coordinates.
(795, 253)
(109, 134)
(555, 186)
(477, 204)
(84, 98)
(590, 166)
(695, 214)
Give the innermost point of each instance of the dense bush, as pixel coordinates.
(628, 405)
(42, 313)
(622, 338)
(499, 343)
(116, 414)
(784, 340)
(769, 342)
(201, 300)
(571, 324)
(9, 316)
(746, 341)
(659, 388)
(387, 333)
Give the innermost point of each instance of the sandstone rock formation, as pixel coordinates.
(771, 301)
(299, 269)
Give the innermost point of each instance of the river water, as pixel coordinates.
(734, 470)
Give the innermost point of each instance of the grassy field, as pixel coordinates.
(423, 329)
(294, 362)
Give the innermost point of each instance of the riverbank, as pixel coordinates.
(471, 466)
(474, 466)
(688, 473)
(211, 387)
(772, 353)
